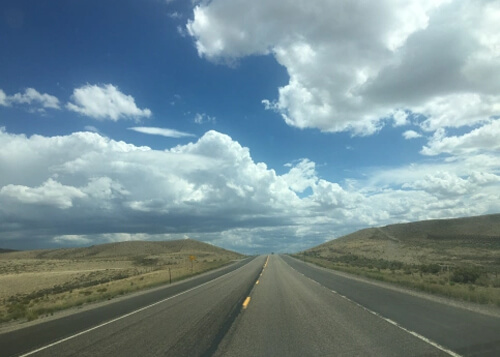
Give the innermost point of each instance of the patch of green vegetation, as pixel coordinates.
(468, 274)
(146, 261)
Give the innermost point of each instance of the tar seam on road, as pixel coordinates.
(122, 317)
(392, 322)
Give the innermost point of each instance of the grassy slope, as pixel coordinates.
(436, 256)
(124, 250)
(43, 281)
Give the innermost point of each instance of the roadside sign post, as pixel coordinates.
(192, 258)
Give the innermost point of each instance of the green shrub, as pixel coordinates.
(496, 283)
(466, 274)
(430, 268)
(31, 315)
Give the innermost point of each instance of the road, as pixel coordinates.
(291, 315)
(289, 310)
(466, 332)
(162, 325)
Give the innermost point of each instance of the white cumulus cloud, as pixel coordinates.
(50, 192)
(483, 138)
(358, 65)
(84, 187)
(30, 97)
(105, 102)
(411, 134)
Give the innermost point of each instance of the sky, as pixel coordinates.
(257, 126)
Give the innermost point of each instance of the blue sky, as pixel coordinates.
(284, 124)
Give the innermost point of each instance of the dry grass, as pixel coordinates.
(38, 283)
(457, 258)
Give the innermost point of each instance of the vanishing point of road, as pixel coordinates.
(265, 306)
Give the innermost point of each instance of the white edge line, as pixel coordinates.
(413, 333)
(124, 316)
(417, 335)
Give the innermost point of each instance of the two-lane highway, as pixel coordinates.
(466, 332)
(185, 319)
(272, 306)
(290, 315)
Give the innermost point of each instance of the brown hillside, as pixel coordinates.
(473, 240)
(126, 251)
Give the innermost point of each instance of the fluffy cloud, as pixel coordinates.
(353, 65)
(411, 134)
(90, 184)
(105, 102)
(50, 193)
(301, 176)
(442, 183)
(169, 133)
(483, 138)
(85, 188)
(31, 97)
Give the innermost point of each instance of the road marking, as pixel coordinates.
(127, 315)
(392, 322)
(265, 264)
(257, 282)
(246, 302)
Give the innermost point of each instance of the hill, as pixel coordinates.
(39, 282)
(471, 240)
(127, 251)
(457, 258)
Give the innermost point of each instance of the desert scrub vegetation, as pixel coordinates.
(93, 286)
(473, 283)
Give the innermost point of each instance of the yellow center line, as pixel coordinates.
(257, 282)
(246, 302)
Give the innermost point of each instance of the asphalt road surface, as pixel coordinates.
(269, 307)
(160, 330)
(291, 315)
(463, 331)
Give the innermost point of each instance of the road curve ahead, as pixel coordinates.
(291, 315)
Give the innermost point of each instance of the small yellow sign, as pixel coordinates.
(192, 257)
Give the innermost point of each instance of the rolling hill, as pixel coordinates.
(455, 258)
(39, 282)
(127, 251)
(471, 240)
